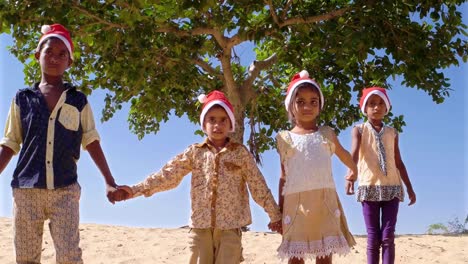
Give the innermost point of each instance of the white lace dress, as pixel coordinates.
(314, 224)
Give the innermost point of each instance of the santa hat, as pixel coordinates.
(366, 93)
(298, 79)
(57, 31)
(216, 98)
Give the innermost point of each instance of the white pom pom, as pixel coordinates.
(202, 98)
(304, 74)
(45, 29)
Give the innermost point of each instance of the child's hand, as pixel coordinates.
(349, 187)
(276, 227)
(411, 196)
(110, 189)
(351, 176)
(122, 193)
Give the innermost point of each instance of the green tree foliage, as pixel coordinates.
(158, 56)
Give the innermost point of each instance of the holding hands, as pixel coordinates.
(276, 227)
(120, 193)
(349, 187)
(350, 179)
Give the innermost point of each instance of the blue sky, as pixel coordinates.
(434, 148)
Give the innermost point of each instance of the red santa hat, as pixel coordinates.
(367, 92)
(57, 31)
(216, 98)
(298, 79)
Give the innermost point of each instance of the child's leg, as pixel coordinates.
(64, 223)
(389, 219)
(228, 246)
(325, 260)
(29, 220)
(201, 246)
(371, 212)
(296, 261)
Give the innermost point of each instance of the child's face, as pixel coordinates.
(53, 57)
(306, 104)
(217, 123)
(376, 107)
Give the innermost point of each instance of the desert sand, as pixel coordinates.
(118, 244)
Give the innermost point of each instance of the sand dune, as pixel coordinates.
(118, 244)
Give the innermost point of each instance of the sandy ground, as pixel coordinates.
(118, 244)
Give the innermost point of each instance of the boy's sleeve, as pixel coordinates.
(90, 133)
(13, 136)
(259, 189)
(168, 177)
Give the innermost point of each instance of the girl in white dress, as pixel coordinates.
(314, 225)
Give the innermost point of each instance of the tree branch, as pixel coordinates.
(286, 9)
(207, 67)
(234, 40)
(225, 43)
(273, 80)
(314, 19)
(222, 41)
(184, 33)
(97, 18)
(254, 70)
(269, 3)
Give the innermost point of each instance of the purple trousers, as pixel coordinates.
(380, 218)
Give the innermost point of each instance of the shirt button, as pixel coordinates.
(48, 162)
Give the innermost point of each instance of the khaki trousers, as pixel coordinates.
(31, 208)
(216, 246)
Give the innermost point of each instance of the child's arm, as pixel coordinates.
(90, 142)
(403, 173)
(169, 177)
(347, 160)
(355, 145)
(12, 140)
(282, 181)
(6, 154)
(279, 228)
(261, 194)
(96, 153)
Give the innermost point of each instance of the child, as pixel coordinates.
(314, 224)
(50, 120)
(221, 172)
(381, 170)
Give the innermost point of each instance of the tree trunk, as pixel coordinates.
(238, 134)
(233, 96)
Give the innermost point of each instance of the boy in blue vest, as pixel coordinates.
(47, 123)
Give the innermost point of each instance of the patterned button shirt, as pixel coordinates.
(219, 196)
(50, 140)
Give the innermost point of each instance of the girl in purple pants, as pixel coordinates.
(381, 172)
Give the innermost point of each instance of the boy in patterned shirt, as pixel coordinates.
(48, 122)
(221, 172)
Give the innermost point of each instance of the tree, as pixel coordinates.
(160, 56)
